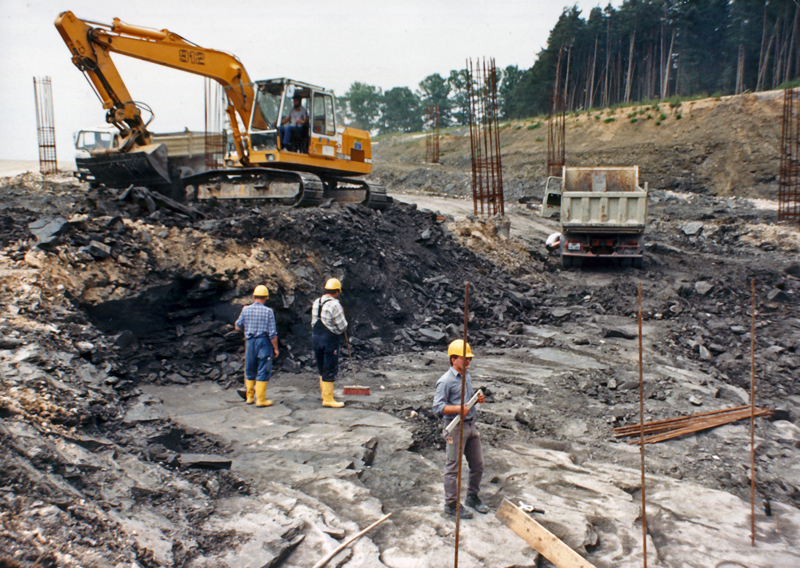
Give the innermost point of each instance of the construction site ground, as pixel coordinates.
(125, 442)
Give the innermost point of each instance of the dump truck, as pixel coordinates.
(602, 211)
(185, 155)
(322, 160)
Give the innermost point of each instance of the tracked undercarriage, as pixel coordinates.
(298, 189)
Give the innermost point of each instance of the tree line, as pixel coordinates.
(643, 50)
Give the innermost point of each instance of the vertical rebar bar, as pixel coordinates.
(45, 125)
(461, 422)
(641, 432)
(753, 415)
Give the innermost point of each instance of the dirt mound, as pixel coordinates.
(168, 288)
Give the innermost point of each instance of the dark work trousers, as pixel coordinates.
(258, 359)
(326, 351)
(473, 453)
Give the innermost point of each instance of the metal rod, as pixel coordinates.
(634, 428)
(461, 425)
(710, 423)
(753, 416)
(641, 432)
(697, 423)
(347, 543)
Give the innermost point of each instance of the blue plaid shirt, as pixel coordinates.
(257, 320)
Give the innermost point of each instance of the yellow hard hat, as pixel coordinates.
(333, 284)
(261, 291)
(456, 348)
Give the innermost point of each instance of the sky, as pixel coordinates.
(385, 43)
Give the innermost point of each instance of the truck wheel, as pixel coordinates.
(638, 262)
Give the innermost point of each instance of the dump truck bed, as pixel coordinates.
(603, 200)
(186, 143)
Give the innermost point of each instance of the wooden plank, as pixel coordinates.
(542, 540)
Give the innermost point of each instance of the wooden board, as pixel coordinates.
(542, 540)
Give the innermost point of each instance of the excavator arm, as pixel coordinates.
(91, 45)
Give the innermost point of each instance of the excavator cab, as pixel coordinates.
(274, 103)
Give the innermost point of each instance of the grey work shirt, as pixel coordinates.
(448, 391)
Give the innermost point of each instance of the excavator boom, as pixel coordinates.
(91, 45)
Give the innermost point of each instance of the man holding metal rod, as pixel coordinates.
(447, 403)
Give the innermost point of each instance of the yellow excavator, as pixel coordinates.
(321, 160)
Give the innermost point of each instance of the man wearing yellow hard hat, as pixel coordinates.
(261, 335)
(327, 326)
(447, 403)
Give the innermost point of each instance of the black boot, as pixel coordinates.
(450, 509)
(475, 502)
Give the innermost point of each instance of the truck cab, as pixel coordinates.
(551, 201)
(101, 137)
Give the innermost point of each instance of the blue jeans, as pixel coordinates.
(286, 134)
(258, 359)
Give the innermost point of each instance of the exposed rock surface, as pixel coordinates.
(124, 442)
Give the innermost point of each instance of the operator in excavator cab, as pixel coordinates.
(292, 126)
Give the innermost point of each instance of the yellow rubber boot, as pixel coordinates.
(261, 394)
(251, 391)
(327, 395)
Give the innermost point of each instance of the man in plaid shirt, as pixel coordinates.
(327, 325)
(261, 335)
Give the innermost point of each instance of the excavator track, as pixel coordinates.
(348, 190)
(282, 187)
(296, 189)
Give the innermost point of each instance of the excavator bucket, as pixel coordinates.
(146, 165)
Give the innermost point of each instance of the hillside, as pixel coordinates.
(721, 147)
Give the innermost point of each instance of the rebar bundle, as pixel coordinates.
(487, 174)
(432, 141)
(556, 136)
(674, 427)
(789, 174)
(45, 125)
(215, 102)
